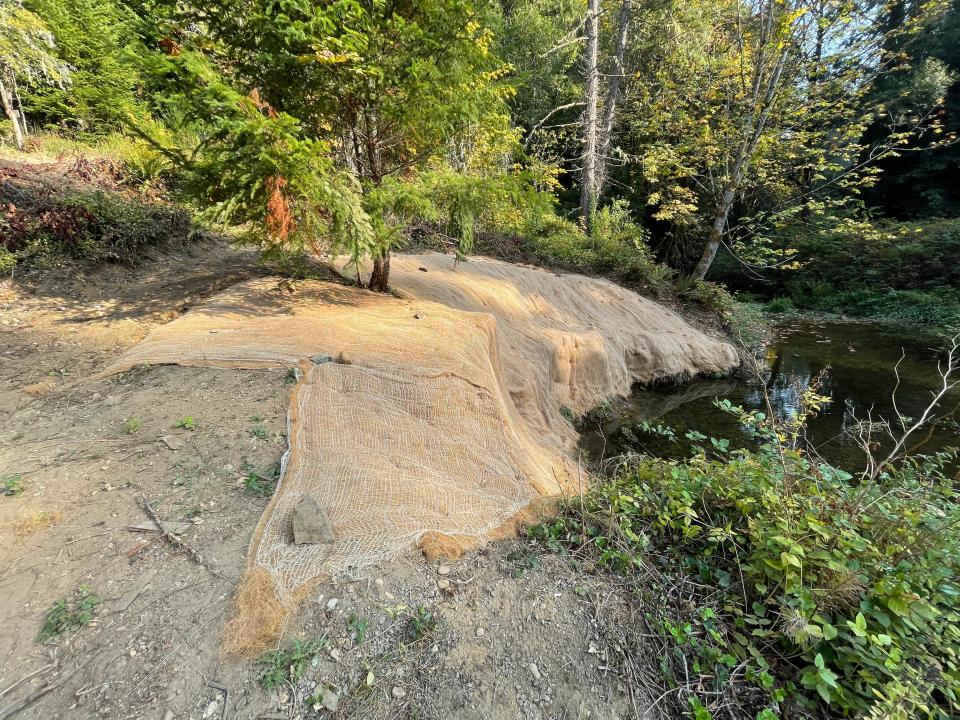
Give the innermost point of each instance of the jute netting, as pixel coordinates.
(440, 421)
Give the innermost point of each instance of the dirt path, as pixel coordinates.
(504, 633)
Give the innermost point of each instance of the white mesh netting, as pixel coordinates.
(447, 422)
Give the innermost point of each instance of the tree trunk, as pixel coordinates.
(380, 277)
(613, 94)
(715, 235)
(588, 178)
(6, 98)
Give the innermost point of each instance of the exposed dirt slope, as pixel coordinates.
(508, 634)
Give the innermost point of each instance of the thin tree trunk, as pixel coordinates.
(613, 94)
(380, 276)
(715, 235)
(588, 178)
(6, 98)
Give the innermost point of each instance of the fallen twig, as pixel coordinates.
(172, 539)
(21, 681)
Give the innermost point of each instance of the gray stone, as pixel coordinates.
(311, 526)
(330, 700)
(321, 359)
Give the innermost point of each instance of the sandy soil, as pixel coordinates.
(512, 632)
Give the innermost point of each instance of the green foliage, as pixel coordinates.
(710, 295)
(421, 624)
(93, 39)
(132, 425)
(69, 614)
(288, 664)
(27, 48)
(824, 588)
(12, 484)
(879, 269)
(259, 430)
(261, 485)
(187, 423)
(358, 626)
(780, 305)
(615, 246)
(305, 113)
(95, 226)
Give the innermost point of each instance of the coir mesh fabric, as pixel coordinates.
(435, 419)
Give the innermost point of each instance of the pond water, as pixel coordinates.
(859, 359)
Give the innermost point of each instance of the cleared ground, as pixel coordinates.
(506, 632)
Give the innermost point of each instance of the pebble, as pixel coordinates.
(481, 632)
(398, 692)
(332, 604)
(443, 583)
(330, 700)
(443, 570)
(535, 671)
(335, 654)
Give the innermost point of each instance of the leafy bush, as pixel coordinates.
(95, 226)
(940, 306)
(820, 590)
(712, 296)
(69, 614)
(904, 271)
(780, 305)
(616, 246)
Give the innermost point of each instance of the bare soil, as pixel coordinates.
(505, 632)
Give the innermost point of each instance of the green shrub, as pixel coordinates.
(905, 271)
(780, 305)
(616, 246)
(940, 307)
(94, 226)
(712, 296)
(828, 592)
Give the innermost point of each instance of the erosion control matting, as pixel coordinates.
(435, 419)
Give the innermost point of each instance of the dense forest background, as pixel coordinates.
(799, 151)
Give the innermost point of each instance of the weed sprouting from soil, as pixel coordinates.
(68, 614)
(13, 484)
(288, 664)
(187, 423)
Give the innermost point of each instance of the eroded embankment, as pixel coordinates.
(436, 418)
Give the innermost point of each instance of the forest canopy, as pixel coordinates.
(747, 131)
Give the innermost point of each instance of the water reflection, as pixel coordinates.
(859, 360)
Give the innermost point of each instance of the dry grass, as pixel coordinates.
(34, 522)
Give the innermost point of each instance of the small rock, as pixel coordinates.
(535, 671)
(422, 269)
(344, 358)
(443, 584)
(336, 654)
(212, 708)
(398, 692)
(321, 359)
(481, 632)
(311, 526)
(171, 442)
(443, 570)
(332, 604)
(378, 582)
(330, 700)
